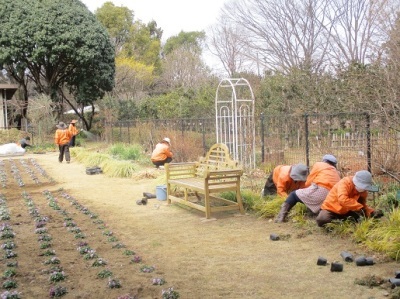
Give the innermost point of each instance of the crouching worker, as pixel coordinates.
(162, 153)
(24, 142)
(285, 179)
(322, 178)
(348, 200)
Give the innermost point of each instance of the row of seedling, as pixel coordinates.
(40, 169)
(56, 272)
(3, 174)
(88, 253)
(107, 233)
(10, 255)
(116, 244)
(15, 173)
(29, 171)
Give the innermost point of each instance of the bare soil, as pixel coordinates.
(231, 257)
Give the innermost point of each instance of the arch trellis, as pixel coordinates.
(234, 113)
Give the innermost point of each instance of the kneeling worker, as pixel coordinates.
(348, 200)
(285, 179)
(24, 142)
(322, 178)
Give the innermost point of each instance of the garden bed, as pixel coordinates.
(232, 257)
(53, 245)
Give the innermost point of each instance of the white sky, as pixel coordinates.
(172, 16)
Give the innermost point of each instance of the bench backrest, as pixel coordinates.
(217, 158)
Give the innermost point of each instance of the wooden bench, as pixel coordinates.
(212, 174)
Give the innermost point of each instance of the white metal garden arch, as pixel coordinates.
(234, 113)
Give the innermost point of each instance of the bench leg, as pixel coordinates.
(186, 194)
(168, 193)
(240, 202)
(207, 204)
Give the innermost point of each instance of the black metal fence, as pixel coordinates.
(358, 140)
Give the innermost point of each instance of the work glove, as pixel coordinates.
(377, 214)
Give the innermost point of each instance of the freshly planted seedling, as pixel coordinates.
(9, 273)
(52, 261)
(8, 245)
(169, 293)
(48, 252)
(80, 235)
(147, 269)
(136, 259)
(118, 245)
(90, 255)
(57, 276)
(129, 252)
(99, 262)
(84, 249)
(114, 283)
(12, 264)
(57, 291)
(10, 254)
(9, 284)
(10, 295)
(112, 239)
(158, 281)
(41, 230)
(104, 273)
(45, 245)
(45, 238)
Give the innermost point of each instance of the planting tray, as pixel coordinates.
(93, 170)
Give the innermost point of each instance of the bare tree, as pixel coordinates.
(389, 102)
(227, 43)
(310, 34)
(358, 29)
(183, 68)
(285, 33)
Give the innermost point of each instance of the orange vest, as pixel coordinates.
(344, 198)
(161, 152)
(324, 175)
(283, 182)
(62, 136)
(73, 129)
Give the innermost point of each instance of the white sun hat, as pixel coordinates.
(299, 172)
(166, 139)
(363, 180)
(329, 158)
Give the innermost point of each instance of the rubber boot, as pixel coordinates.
(285, 208)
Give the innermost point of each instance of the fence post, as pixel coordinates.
(262, 139)
(120, 131)
(204, 137)
(307, 142)
(112, 133)
(368, 126)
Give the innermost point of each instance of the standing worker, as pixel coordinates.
(74, 131)
(62, 139)
(285, 179)
(322, 178)
(162, 153)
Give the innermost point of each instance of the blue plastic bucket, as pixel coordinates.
(161, 192)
